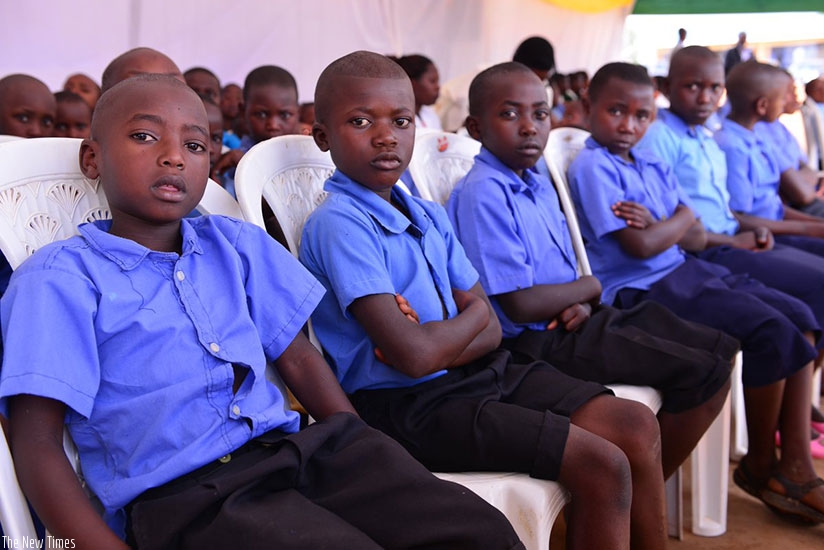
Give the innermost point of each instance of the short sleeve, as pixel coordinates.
(595, 186)
(462, 273)
(739, 185)
(50, 347)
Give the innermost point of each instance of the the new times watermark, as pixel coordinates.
(32, 542)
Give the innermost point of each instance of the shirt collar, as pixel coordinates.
(380, 210)
(127, 253)
(641, 157)
(677, 125)
(532, 178)
(748, 136)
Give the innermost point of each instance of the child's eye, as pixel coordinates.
(48, 122)
(61, 127)
(217, 138)
(693, 87)
(142, 136)
(22, 117)
(716, 88)
(403, 122)
(286, 115)
(360, 122)
(509, 115)
(643, 116)
(263, 115)
(195, 147)
(615, 111)
(541, 114)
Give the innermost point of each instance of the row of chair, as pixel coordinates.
(43, 197)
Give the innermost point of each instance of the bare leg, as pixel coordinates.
(680, 432)
(634, 429)
(597, 474)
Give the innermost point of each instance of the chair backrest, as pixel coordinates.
(7, 137)
(288, 172)
(441, 159)
(563, 146)
(814, 133)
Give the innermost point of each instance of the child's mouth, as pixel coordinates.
(386, 161)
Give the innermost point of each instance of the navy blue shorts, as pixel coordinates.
(769, 324)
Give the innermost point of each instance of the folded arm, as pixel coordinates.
(794, 223)
(656, 237)
(547, 302)
(420, 349)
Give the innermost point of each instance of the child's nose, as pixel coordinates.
(385, 135)
(528, 127)
(172, 156)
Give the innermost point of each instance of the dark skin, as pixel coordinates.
(36, 423)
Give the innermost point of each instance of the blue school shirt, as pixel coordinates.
(140, 344)
(783, 143)
(513, 232)
(599, 179)
(752, 172)
(699, 165)
(357, 244)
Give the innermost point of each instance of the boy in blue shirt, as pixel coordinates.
(758, 92)
(509, 221)
(433, 378)
(635, 219)
(164, 327)
(679, 136)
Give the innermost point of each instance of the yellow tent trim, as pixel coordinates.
(590, 6)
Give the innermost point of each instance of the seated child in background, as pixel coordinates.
(427, 371)
(180, 459)
(83, 86)
(215, 117)
(680, 138)
(798, 183)
(27, 107)
(426, 86)
(231, 104)
(138, 61)
(574, 116)
(508, 218)
(757, 92)
(634, 216)
(270, 101)
(204, 82)
(74, 116)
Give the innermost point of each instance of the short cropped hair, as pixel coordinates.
(414, 65)
(536, 53)
(748, 81)
(692, 52)
(481, 85)
(269, 75)
(68, 97)
(203, 70)
(108, 100)
(628, 72)
(361, 64)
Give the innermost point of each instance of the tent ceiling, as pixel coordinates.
(727, 6)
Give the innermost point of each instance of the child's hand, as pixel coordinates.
(406, 309)
(572, 317)
(759, 240)
(227, 161)
(635, 214)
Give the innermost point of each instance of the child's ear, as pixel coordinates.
(319, 134)
(761, 105)
(473, 127)
(88, 159)
(585, 103)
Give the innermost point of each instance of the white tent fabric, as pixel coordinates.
(51, 39)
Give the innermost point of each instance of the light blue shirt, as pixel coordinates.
(357, 244)
(140, 344)
(699, 165)
(513, 231)
(752, 172)
(599, 179)
(783, 143)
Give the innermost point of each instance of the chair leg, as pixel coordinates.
(710, 471)
(675, 512)
(740, 441)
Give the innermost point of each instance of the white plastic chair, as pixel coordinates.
(289, 172)
(710, 458)
(43, 198)
(439, 160)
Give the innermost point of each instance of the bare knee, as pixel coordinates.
(596, 471)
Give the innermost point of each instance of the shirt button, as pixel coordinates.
(180, 275)
(214, 347)
(235, 410)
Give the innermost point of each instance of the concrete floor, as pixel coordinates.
(750, 526)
